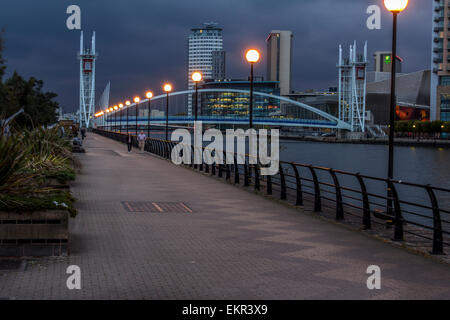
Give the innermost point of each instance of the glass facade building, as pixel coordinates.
(440, 77)
(236, 104)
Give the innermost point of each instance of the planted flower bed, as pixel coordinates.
(35, 200)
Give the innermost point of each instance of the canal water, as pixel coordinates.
(413, 164)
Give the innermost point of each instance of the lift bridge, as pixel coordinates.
(268, 110)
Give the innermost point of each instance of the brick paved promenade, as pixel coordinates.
(234, 244)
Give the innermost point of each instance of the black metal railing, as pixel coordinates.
(410, 209)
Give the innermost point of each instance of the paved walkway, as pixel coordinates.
(234, 244)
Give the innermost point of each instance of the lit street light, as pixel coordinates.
(167, 88)
(395, 7)
(120, 124)
(136, 101)
(196, 77)
(252, 56)
(115, 117)
(106, 119)
(127, 103)
(149, 96)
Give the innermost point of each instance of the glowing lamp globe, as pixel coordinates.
(149, 94)
(396, 6)
(167, 87)
(252, 56)
(136, 99)
(120, 105)
(197, 76)
(127, 102)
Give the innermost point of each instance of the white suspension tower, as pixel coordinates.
(352, 88)
(87, 57)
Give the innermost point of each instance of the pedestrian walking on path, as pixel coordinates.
(129, 142)
(141, 140)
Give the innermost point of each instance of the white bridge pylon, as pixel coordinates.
(339, 124)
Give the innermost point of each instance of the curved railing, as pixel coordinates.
(410, 209)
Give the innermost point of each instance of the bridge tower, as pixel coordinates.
(87, 57)
(352, 88)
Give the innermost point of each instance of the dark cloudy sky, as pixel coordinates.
(143, 42)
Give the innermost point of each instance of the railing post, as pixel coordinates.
(269, 185)
(317, 198)
(236, 171)
(168, 155)
(201, 160)
(246, 177)
(339, 205)
(438, 240)
(398, 225)
(220, 175)
(299, 200)
(283, 194)
(257, 184)
(228, 173)
(193, 158)
(367, 221)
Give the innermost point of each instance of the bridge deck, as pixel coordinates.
(233, 245)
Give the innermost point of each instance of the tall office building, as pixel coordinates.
(218, 65)
(440, 64)
(202, 42)
(279, 59)
(383, 62)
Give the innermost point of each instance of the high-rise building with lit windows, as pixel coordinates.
(202, 42)
(440, 64)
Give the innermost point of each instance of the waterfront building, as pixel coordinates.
(202, 42)
(383, 62)
(440, 61)
(279, 59)
(229, 104)
(413, 97)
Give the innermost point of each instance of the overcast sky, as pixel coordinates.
(142, 43)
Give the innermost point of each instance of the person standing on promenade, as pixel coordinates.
(129, 142)
(141, 139)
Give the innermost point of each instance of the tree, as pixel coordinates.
(16, 93)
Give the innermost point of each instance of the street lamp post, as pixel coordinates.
(106, 118)
(136, 101)
(149, 96)
(167, 88)
(127, 103)
(252, 56)
(120, 118)
(395, 7)
(115, 117)
(110, 123)
(196, 77)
